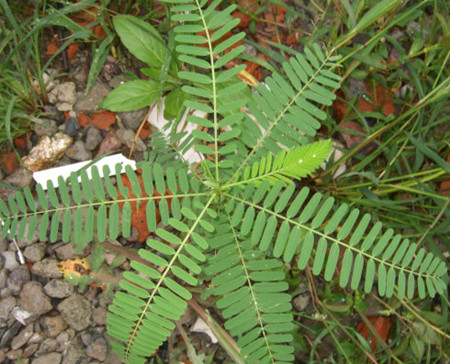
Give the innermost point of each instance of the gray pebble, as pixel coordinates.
(45, 127)
(76, 311)
(51, 112)
(132, 119)
(17, 279)
(53, 325)
(97, 347)
(9, 334)
(126, 136)
(22, 338)
(67, 251)
(93, 98)
(3, 277)
(10, 261)
(75, 355)
(78, 152)
(6, 305)
(72, 127)
(47, 346)
(93, 137)
(53, 358)
(34, 300)
(58, 288)
(46, 268)
(34, 253)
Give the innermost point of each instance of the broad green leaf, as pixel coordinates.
(141, 39)
(131, 96)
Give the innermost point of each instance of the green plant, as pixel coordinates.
(22, 86)
(238, 220)
(20, 98)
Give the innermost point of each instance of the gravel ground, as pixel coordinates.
(44, 319)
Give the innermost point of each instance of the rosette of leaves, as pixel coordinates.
(239, 218)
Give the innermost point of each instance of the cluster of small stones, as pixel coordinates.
(43, 318)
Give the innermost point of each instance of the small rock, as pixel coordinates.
(3, 275)
(6, 305)
(47, 346)
(58, 288)
(34, 253)
(34, 300)
(37, 338)
(115, 82)
(72, 127)
(21, 178)
(250, 50)
(9, 334)
(75, 355)
(104, 300)
(23, 337)
(79, 72)
(110, 68)
(51, 112)
(14, 354)
(78, 152)
(99, 316)
(97, 347)
(5, 292)
(132, 119)
(76, 311)
(10, 261)
(126, 136)
(110, 143)
(17, 279)
(46, 268)
(3, 245)
(98, 92)
(50, 79)
(53, 325)
(93, 137)
(64, 339)
(112, 358)
(52, 358)
(355, 88)
(2, 263)
(67, 251)
(45, 127)
(47, 152)
(64, 96)
(2, 356)
(30, 350)
(189, 317)
(301, 301)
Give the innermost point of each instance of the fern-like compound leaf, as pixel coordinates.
(295, 163)
(150, 189)
(157, 297)
(308, 225)
(287, 111)
(201, 42)
(251, 291)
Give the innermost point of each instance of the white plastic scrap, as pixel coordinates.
(52, 174)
